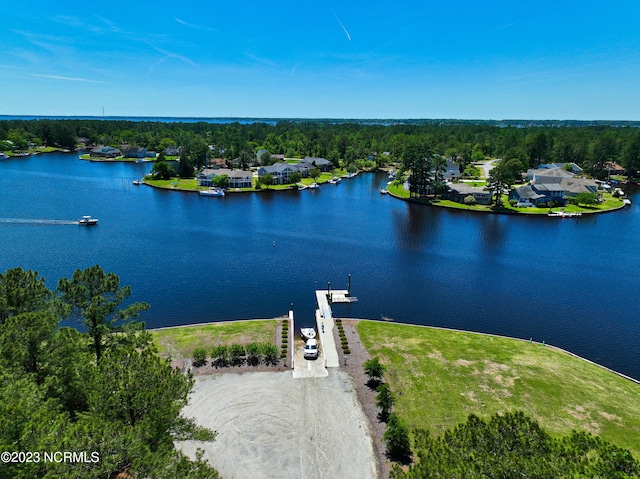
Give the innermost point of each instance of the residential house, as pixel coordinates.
(452, 171)
(172, 151)
(548, 175)
(320, 163)
(527, 196)
(217, 163)
(134, 152)
(539, 194)
(106, 152)
(237, 178)
(459, 191)
(281, 172)
(275, 158)
(613, 168)
(574, 186)
(572, 167)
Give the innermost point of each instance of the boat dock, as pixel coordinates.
(325, 322)
(328, 357)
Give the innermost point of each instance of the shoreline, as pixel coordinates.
(357, 320)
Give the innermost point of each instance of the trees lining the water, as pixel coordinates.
(121, 407)
(513, 445)
(590, 145)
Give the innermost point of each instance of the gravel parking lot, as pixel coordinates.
(271, 425)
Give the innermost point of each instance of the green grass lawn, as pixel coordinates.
(181, 341)
(440, 377)
(184, 184)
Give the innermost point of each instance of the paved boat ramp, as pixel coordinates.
(328, 354)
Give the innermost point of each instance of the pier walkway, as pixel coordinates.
(325, 322)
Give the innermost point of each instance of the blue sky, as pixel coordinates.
(322, 59)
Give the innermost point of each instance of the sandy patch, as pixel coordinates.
(271, 425)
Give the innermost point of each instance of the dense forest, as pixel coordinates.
(589, 145)
(98, 393)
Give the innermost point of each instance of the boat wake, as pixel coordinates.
(27, 221)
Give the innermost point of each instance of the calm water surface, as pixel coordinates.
(572, 283)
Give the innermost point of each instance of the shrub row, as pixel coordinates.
(343, 337)
(285, 339)
(252, 354)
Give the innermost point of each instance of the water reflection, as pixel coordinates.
(416, 226)
(493, 232)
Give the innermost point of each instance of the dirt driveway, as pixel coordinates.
(271, 425)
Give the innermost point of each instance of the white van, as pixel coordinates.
(311, 349)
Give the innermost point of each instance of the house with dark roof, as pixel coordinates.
(548, 175)
(106, 152)
(574, 186)
(134, 152)
(527, 196)
(172, 151)
(539, 194)
(320, 163)
(459, 191)
(281, 172)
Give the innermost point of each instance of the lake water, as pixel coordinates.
(572, 283)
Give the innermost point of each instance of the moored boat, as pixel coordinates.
(212, 192)
(307, 333)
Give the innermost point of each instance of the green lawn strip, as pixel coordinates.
(184, 184)
(440, 377)
(181, 341)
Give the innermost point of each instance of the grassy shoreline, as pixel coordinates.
(451, 373)
(610, 204)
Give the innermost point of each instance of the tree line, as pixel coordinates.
(589, 145)
(505, 445)
(99, 389)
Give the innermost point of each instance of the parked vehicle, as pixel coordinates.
(311, 349)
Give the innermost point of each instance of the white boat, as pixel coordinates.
(383, 191)
(137, 182)
(563, 214)
(307, 333)
(87, 221)
(212, 192)
(3, 155)
(626, 201)
(314, 185)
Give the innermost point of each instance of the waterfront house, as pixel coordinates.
(459, 191)
(106, 152)
(281, 172)
(320, 163)
(237, 178)
(527, 196)
(539, 194)
(134, 152)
